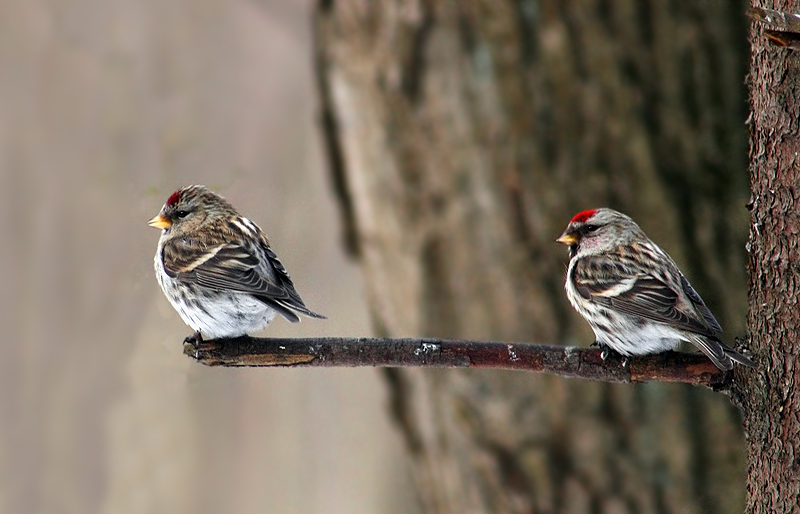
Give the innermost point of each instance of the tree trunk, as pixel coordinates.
(462, 138)
(770, 400)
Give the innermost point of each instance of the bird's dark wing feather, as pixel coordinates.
(621, 286)
(700, 305)
(235, 267)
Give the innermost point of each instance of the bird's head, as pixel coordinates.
(598, 230)
(188, 208)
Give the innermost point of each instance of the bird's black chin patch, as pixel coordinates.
(573, 250)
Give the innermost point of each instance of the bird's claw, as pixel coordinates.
(195, 339)
(606, 351)
(199, 345)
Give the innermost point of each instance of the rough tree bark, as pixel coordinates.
(772, 409)
(462, 137)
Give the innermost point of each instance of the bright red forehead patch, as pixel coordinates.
(173, 198)
(581, 217)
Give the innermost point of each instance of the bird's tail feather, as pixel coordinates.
(719, 353)
(738, 357)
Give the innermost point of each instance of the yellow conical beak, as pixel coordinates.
(159, 222)
(567, 239)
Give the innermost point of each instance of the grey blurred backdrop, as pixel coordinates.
(105, 109)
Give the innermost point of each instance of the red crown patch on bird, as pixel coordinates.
(173, 198)
(581, 217)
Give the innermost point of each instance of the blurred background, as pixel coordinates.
(107, 107)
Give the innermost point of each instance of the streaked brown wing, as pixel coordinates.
(234, 267)
(227, 266)
(636, 294)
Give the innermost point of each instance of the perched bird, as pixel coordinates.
(217, 269)
(632, 293)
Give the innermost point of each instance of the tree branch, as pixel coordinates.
(690, 368)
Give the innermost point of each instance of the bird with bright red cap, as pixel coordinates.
(217, 268)
(632, 293)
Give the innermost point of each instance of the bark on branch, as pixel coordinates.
(690, 368)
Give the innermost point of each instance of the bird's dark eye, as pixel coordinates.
(591, 228)
(182, 214)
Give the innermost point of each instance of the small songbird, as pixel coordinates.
(632, 293)
(217, 269)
